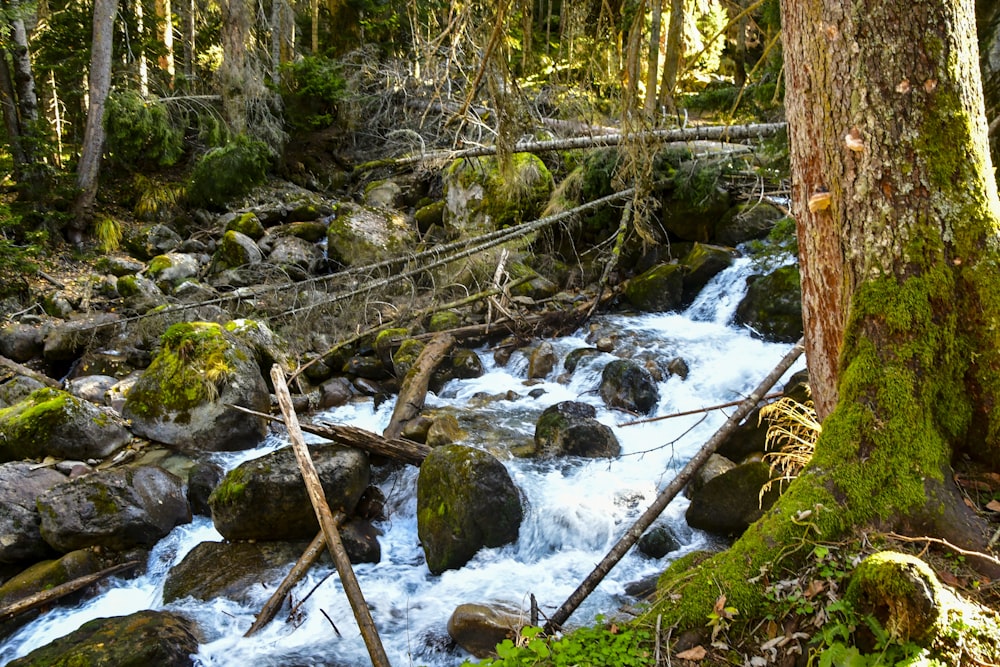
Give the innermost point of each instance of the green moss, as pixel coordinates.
(230, 490)
(26, 426)
(158, 265)
(247, 223)
(512, 194)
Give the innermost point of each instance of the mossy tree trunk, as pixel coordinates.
(897, 213)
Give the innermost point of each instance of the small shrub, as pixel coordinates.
(312, 87)
(18, 255)
(108, 232)
(140, 132)
(228, 172)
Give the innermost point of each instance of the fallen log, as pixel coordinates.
(299, 570)
(45, 597)
(397, 449)
(633, 534)
(21, 369)
(328, 523)
(412, 394)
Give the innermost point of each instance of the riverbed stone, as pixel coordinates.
(265, 498)
(20, 485)
(359, 235)
(744, 222)
(478, 628)
(22, 342)
(235, 250)
(701, 264)
(46, 574)
(659, 289)
(729, 503)
(629, 386)
(145, 638)
(170, 270)
(17, 388)
(67, 340)
(772, 307)
(183, 397)
(466, 501)
(569, 428)
(117, 509)
(52, 422)
(542, 360)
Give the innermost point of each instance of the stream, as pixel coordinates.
(575, 509)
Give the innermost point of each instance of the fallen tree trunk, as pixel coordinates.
(411, 397)
(633, 534)
(328, 523)
(299, 570)
(397, 449)
(45, 597)
(712, 133)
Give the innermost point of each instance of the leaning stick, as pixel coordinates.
(328, 522)
(302, 565)
(413, 393)
(45, 597)
(777, 394)
(633, 534)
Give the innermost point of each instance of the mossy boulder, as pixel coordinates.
(702, 264)
(307, 230)
(444, 430)
(728, 503)
(246, 223)
(182, 398)
(478, 197)
(542, 360)
(265, 499)
(466, 501)
(444, 320)
(52, 422)
(693, 207)
(569, 428)
(772, 307)
(171, 269)
(629, 386)
(43, 576)
(234, 250)
(160, 638)
(359, 235)
(478, 628)
(745, 222)
(659, 289)
(115, 509)
(429, 215)
(405, 356)
(388, 341)
(20, 485)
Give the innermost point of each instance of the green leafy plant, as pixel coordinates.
(140, 132)
(606, 644)
(312, 87)
(228, 172)
(108, 232)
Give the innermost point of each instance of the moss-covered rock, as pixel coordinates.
(182, 398)
(444, 430)
(20, 485)
(171, 269)
(701, 264)
(466, 500)
(542, 360)
(141, 639)
(47, 574)
(246, 223)
(479, 197)
(695, 204)
(772, 307)
(728, 503)
(430, 215)
(235, 249)
(387, 342)
(444, 320)
(745, 222)
(569, 428)
(405, 356)
(627, 385)
(359, 235)
(265, 498)
(659, 289)
(52, 422)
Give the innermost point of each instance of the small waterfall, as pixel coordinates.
(575, 509)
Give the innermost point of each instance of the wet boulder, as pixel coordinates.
(744, 222)
(466, 501)
(22, 342)
(542, 360)
(729, 503)
(772, 307)
(202, 479)
(266, 499)
(628, 386)
(20, 485)
(569, 428)
(478, 628)
(444, 429)
(116, 509)
(183, 397)
(701, 264)
(52, 422)
(359, 235)
(691, 210)
(658, 541)
(659, 289)
(160, 638)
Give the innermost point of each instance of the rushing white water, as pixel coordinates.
(575, 509)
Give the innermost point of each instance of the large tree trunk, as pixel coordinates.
(897, 211)
(236, 25)
(8, 107)
(93, 137)
(674, 51)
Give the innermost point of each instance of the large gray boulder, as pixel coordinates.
(116, 509)
(52, 422)
(569, 428)
(729, 503)
(772, 307)
(466, 501)
(266, 499)
(20, 485)
(627, 385)
(183, 397)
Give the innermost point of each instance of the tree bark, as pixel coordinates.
(89, 166)
(897, 212)
(233, 71)
(165, 35)
(8, 106)
(674, 52)
(653, 59)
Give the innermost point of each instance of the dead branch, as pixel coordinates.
(45, 597)
(299, 570)
(328, 522)
(21, 369)
(411, 397)
(730, 404)
(633, 534)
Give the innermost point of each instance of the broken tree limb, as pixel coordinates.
(43, 598)
(633, 534)
(397, 449)
(299, 570)
(412, 394)
(712, 133)
(698, 411)
(21, 369)
(328, 523)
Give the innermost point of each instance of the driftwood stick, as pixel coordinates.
(397, 449)
(42, 598)
(633, 534)
(21, 369)
(328, 523)
(730, 404)
(412, 394)
(299, 570)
